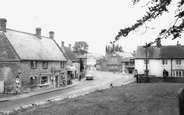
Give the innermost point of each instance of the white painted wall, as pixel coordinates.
(155, 67)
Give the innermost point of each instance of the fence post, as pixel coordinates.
(181, 101)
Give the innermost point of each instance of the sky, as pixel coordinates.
(96, 22)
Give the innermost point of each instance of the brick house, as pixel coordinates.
(114, 60)
(170, 58)
(36, 60)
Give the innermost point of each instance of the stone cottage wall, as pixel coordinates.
(8, 72)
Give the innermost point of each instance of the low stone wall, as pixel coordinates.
(161, 79)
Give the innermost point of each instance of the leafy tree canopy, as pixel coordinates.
(111, 49)
(155, 9)
(80, 47)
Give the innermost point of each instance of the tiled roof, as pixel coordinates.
(127, 59)
(69, 54)
(124, 54)
(169, 52)
(30, 47)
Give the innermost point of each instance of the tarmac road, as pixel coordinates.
(101, 80)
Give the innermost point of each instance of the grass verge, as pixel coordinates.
(132, 99)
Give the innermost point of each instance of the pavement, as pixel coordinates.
(13, 97)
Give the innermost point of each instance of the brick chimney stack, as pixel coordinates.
(51, 34)
(3, 24)
(70, 46)
(62, 44)
(38, 32)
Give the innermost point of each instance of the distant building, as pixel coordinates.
(128, 65)
(37, 60)
(170, 58)
(72, 63)
(101, 64)
(114, 61)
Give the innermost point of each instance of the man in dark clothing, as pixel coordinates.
(165, 74)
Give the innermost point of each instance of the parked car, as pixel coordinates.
(89, 77)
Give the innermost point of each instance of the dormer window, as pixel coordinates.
(33, 64)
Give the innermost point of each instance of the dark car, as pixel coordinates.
(89, 77)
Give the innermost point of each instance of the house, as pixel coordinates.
(72, 63)
(114, 60)
(170, 58)
(128, 65)
(101, 64)
(31, 60)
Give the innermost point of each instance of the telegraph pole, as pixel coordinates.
(146, 47)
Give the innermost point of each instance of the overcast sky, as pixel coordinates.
(96, 22)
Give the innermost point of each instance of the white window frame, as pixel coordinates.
(178, 73)
(48, 80)
(33, 64)
(178, 62)
(164, 62)
(45, 65)
(62, 64)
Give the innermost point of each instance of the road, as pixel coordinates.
(101, 80)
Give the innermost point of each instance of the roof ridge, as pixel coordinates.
(26, 33)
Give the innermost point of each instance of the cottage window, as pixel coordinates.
(62, 64)
(178, 73)
(33, 64)
(164, 62)
(45, 65)
(44, 80)
(178, 62)
(33, 80)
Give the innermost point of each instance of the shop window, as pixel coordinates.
(45, 65)
(33, 64)
(44, 80)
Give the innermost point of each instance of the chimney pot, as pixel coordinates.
(62, 44)
(51, 33)
(38, 32)
(3, 24)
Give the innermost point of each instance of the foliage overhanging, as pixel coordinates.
(157, 8)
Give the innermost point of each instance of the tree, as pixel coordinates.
(111, 49)
(80, 48)
(155, 9)
(81, 65)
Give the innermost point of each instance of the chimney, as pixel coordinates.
(38, 32)
(62, 44)
(51, 34)
(3, 24)
(70, 46)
